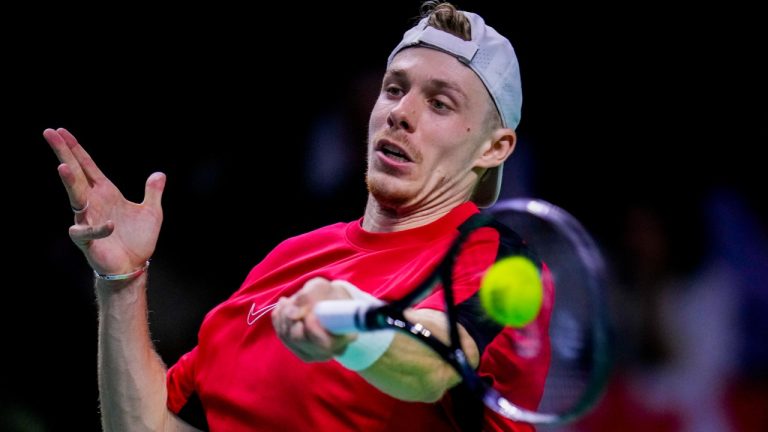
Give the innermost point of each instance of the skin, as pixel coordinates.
(442, 133)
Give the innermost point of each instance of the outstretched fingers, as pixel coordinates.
(61, 148)
(81, 234)
(71, 173)
(76, 190)
(89, 167)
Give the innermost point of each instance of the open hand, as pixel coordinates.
(116, 235)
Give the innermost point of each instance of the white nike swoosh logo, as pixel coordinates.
(253, 314)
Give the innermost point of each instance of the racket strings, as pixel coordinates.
(577, 359)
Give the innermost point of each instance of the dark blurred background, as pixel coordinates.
(645, 123)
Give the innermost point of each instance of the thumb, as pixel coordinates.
(153, 192)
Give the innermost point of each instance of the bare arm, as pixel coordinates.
(408, 370)
(118, 236)
(131, 374)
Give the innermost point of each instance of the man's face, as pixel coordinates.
(426, 130)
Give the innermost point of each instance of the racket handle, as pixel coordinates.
(342, 316)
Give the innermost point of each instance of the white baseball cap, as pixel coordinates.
(493, 59)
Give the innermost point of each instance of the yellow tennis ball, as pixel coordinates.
(511, 291)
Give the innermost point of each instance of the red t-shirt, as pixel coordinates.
(247, 379)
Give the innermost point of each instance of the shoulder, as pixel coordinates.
(495, 235)
(493, 238)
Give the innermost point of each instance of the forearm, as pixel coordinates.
(131, 374)
(409, 370)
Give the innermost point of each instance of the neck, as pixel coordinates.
(381, 218)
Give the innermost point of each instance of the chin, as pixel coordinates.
(387, 195)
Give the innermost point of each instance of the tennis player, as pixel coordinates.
(443, 125)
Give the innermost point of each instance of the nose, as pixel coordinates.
(403, 114)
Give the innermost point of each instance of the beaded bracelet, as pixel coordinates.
(124, 276)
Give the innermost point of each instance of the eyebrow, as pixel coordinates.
(438, 84)
(448, 85)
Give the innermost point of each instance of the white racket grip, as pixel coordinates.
(341, 316)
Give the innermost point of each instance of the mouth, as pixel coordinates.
(393, 151)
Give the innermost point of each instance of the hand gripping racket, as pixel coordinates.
(573, 279)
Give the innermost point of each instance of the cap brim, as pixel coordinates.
(487, 191)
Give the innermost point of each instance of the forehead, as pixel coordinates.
(428, 65)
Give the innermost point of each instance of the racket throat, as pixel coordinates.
(383, 317)
(470, 379)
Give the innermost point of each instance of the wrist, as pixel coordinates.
(366, 350)
(133, 274)
(369, 346)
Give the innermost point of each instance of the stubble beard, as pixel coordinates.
(389, 197)
(379, 186)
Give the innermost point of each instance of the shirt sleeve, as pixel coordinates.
(180, 381)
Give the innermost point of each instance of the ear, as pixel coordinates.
(498, 149)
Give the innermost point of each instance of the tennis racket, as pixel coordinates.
(576, 341)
